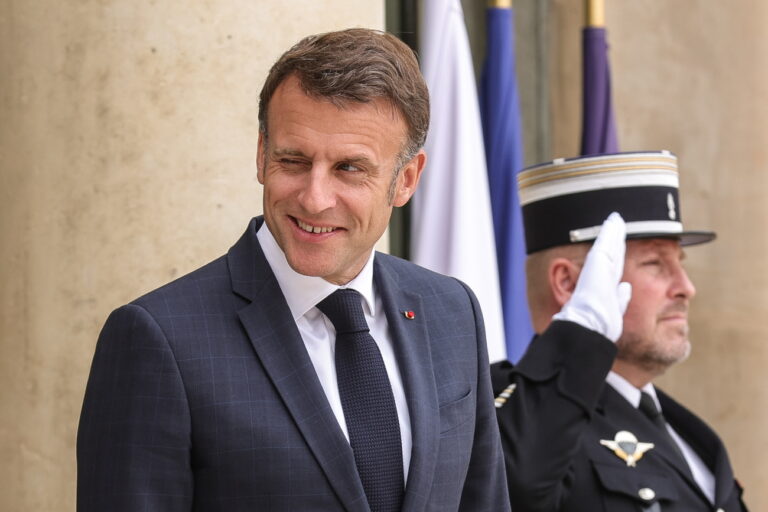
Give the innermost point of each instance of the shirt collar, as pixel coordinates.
(630, 392)
(301, 292)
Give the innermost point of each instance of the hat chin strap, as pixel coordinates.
(633, 228)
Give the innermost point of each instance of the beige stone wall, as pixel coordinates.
(690, 76)
(127, 148)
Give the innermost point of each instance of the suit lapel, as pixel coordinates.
(275, 338)
(412, 349)
(619, 412)
(704, 441)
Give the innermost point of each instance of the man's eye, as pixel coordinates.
(652, 262)
(348, 167)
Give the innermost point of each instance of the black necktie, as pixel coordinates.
(648, 406)
(368, 402)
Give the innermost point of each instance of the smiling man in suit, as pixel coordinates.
(303, 370)
(582, 425)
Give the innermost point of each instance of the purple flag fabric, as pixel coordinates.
(598, 132)
(500, 111)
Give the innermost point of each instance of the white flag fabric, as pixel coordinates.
(452, 224)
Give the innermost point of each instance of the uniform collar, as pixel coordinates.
(630, 392)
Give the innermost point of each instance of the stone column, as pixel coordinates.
(127, 158)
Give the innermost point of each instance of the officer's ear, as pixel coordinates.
(563, 274)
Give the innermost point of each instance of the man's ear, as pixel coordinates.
(408, 179)
(261, 161)
(563, 274)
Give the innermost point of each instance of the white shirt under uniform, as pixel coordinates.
(302, 293)
(699, 470)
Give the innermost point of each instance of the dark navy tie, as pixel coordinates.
(368, 402)
(648, 407)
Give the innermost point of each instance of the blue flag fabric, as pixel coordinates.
(500, 111)
(598, 132)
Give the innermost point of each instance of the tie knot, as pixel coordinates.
(345, 311)
(648, 406)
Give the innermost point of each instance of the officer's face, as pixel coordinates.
(655, 332)
(328, 179)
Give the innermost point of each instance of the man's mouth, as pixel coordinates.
(675, 318)
(677, 311)
(313, 229)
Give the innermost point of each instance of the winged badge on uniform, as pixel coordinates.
(626, 446)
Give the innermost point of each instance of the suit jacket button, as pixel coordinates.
(720, 510)
(646, 493)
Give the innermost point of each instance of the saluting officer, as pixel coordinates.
(583, 428)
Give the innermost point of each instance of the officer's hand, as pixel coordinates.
(599, 300)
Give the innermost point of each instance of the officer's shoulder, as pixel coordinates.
(501, 372)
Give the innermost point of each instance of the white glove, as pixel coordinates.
(600, 300)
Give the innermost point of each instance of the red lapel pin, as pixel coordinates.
(410, 315)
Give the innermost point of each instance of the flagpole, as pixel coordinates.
(595, 13)
(598, 131)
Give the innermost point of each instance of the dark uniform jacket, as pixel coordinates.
(559, 411)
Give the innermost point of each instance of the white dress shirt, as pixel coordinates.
(302, 293)
(699, 470)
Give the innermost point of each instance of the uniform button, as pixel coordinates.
(720, 510)
(646, 493)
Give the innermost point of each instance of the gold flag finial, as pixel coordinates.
(595, 13)
(500, 4)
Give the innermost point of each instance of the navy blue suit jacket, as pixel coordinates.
(202, 397)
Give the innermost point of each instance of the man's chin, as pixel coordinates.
(328, 271)
(309, 269)
(681, 352)
(686, 351)
(658, 356)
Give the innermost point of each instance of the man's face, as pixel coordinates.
(328, 179)
(656, 321)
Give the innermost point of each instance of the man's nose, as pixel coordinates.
(318, 193)
(682, 285)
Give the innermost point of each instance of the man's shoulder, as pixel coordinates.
(501, 376)
(209, 282)
(409, 273)
(677, 413)
(211, 278)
